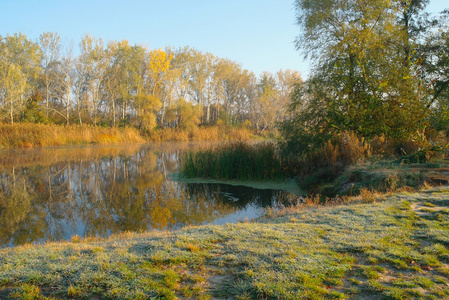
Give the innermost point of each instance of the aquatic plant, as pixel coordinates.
(237, 161)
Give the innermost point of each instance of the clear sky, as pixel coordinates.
(259, 34)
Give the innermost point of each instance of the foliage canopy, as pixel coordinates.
(371, 75)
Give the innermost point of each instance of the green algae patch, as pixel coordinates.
(287, 185)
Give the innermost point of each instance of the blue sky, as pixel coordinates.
(259, 34)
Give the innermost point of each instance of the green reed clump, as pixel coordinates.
(236, 161)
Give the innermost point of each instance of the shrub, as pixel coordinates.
(364, 178)
(330, 161)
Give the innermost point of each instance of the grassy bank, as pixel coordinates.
(379, 175)
(392, 248)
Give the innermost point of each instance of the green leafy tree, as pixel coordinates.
(33, 112)
(366, 75)
(435, 65)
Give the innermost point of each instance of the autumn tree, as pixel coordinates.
(235, 89)
(273, 97)
(195, 81)
(265, 107)
(187, 114)
(157, 86)
(14, 84)
(50, 44)
(365, 65)
(96, 60)
(19, 70)
(67, 73)
(124, 83)
(148, 105)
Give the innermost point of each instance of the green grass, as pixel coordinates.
(237, 161)
(385, 250)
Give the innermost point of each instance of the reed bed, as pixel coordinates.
(25, 135)
(31, 135)
(210, 133)
(236, 161)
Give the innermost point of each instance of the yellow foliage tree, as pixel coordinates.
(158, 77)
(149, 106)
(188, 114)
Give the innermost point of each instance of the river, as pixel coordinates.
(53, 194)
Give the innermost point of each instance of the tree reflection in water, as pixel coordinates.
(54, 194)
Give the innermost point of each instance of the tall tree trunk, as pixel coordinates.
(68, 108)
(113, 112)
(47, 96)
(11, 112)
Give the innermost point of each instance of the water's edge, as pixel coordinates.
(287, 185)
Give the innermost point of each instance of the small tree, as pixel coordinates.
(33, 112)
(188, 115)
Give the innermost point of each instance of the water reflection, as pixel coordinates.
(54, 194)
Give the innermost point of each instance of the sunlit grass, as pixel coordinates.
(31, 135)
(203, 133)
(25, 135)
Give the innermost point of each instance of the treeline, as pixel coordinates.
(118, 84)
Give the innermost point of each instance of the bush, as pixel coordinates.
(337, 154)
(374, 177)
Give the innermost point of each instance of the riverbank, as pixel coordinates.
(393, 246)
(24, 135)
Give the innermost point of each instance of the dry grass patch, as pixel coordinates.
(30, 135)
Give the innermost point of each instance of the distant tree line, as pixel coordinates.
(381, 68)
(118, 84)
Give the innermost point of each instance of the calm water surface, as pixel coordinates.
(52, 194)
